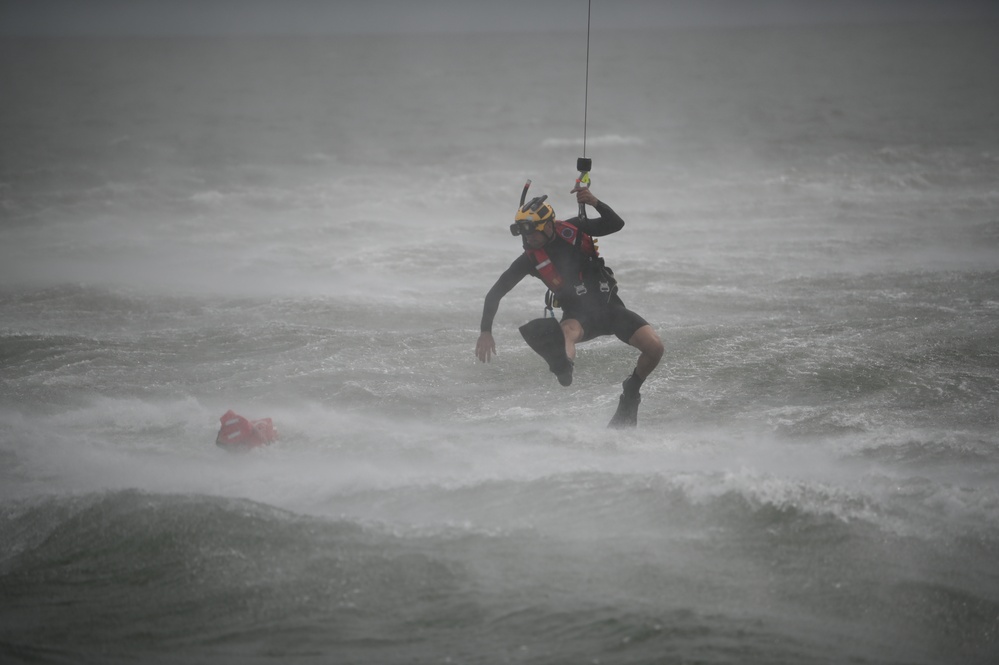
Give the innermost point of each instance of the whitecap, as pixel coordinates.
(208, 197)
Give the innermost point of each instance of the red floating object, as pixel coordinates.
(239, 434)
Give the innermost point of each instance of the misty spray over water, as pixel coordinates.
(305, 229)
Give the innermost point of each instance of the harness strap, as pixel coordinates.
(569, 233)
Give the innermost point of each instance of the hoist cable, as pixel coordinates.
(586, 88)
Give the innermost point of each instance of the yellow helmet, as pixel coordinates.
(532, 216)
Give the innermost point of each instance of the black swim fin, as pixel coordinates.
(627, 406)
(546, 338)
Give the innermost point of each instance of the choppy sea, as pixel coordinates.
(305, 228)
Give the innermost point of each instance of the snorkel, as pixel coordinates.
(523, 194)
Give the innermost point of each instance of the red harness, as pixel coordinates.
(543, 264)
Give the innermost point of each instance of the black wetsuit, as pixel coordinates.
(597, 313)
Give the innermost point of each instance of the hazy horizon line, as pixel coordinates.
(141, 18)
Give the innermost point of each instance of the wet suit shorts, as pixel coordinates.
(614, 319)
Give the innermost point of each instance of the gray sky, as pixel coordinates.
(380, 16)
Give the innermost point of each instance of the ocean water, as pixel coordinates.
(304, 229)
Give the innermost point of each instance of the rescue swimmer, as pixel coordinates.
(564, 255)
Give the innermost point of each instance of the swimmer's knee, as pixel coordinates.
(647, 341)
(573, 330)
(657, 349)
